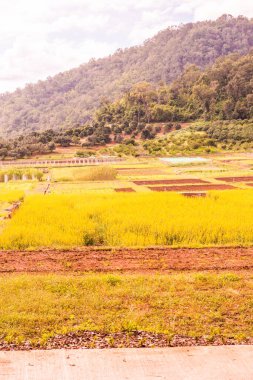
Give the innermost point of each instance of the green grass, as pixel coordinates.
(36, 307)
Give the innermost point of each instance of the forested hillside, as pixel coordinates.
(221, 92)
(68, 98)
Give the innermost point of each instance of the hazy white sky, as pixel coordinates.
(41, 38)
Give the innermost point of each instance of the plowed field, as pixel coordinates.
(127, 260)
(170, 181)
(192, 188)
(235, 179)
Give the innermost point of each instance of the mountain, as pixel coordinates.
(68, 98)
(219, 98)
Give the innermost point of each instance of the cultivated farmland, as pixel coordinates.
(221, 218)
(134, 254)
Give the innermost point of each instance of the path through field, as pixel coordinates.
(184, 363)
(127, 260)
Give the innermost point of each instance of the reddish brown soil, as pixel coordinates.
(192, 188)
(127, 260)
(235, 179)
(170, 181)
(249, 184)
(124, 190)
(193, 195)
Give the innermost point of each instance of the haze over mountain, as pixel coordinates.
(68, 98)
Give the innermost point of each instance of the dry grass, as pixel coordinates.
(96, 173)
(38, 307)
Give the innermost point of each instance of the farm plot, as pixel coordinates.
(235, 179)
(192, 187)
(125, 190)
(170, 181)
(140, 219)
(83, 174)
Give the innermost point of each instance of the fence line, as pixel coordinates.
(65, 162)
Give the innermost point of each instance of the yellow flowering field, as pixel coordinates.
(147, 219)
(10, 196)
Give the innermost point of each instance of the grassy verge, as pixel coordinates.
(7, 197)
(35, 308)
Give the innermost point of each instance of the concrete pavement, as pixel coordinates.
(179, 363)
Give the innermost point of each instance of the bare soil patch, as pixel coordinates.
(132, 339)
(194, 195)
(124, 190)
(235, 179)
(170, 181)
(192, 187)
(148, 260)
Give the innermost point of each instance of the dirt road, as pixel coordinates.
(127, 260)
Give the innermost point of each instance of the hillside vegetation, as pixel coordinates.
(213, 97)
(199, 138)
(68, 98)
(223, 91)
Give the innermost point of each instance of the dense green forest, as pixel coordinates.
(223, 91)
(68, 99)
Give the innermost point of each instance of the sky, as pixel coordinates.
(41, 38)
